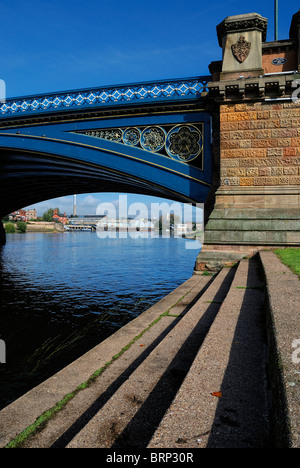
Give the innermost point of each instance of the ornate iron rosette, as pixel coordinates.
(153, 139)
(131, 136)
(184, 143)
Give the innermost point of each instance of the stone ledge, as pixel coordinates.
(255, 214)
(255, 238)
(262, 87)
(282, 303)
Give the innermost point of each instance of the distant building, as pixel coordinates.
(58, 217)
(20, 215)
(31, 214)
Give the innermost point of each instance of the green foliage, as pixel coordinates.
(21, 226)
(291, 258)
(48, 215)
(10, 228)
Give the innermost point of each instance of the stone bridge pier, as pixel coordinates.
(254, 100)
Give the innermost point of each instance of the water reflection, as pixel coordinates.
(62, 294)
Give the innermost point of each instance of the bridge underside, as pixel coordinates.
(28, 178)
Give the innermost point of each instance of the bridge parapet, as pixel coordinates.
(185, 89)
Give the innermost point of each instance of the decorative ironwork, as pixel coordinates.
(241, 49)
(153, 139)
(112, 135)
(131, 136)
(158, 91)
(180, 142)
(184, 143)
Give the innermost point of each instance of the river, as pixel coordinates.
(63, 293)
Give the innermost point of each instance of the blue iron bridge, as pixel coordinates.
(152, 138)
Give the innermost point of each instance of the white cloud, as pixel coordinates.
(65, 204)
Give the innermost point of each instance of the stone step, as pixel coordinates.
(217, 259)
(117, 356)
(130, 416)
(225, 389)
(98, 415)
(195, 378)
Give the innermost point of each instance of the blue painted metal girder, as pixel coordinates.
(44, 160)
(150, 92)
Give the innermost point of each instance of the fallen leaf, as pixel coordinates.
(217, 394)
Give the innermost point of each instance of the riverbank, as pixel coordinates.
(45, 227)
(34, 227)
(193, 371)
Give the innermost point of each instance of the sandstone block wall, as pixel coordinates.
(260, 144)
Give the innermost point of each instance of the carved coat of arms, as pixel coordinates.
(241, 49)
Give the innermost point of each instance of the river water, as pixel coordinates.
(63, 293)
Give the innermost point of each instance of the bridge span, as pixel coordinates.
(150, 138)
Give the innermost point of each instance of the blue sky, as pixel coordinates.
(51, 45)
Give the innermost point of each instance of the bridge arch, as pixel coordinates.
(44, 161)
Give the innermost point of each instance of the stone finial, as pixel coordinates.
(295, 32)
(241, 39)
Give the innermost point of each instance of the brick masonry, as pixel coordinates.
(260, 144)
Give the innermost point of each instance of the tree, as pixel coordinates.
(10, 228)
(21, 226)
(48, 215)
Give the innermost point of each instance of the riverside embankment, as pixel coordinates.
(45, 227)
(210, 365)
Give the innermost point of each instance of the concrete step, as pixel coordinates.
(226, 384)
(114, 360)
(282, 311)
(216, 259)
(111, 411)
(130, 416)
(195, 378)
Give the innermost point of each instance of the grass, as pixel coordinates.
(291, 258)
